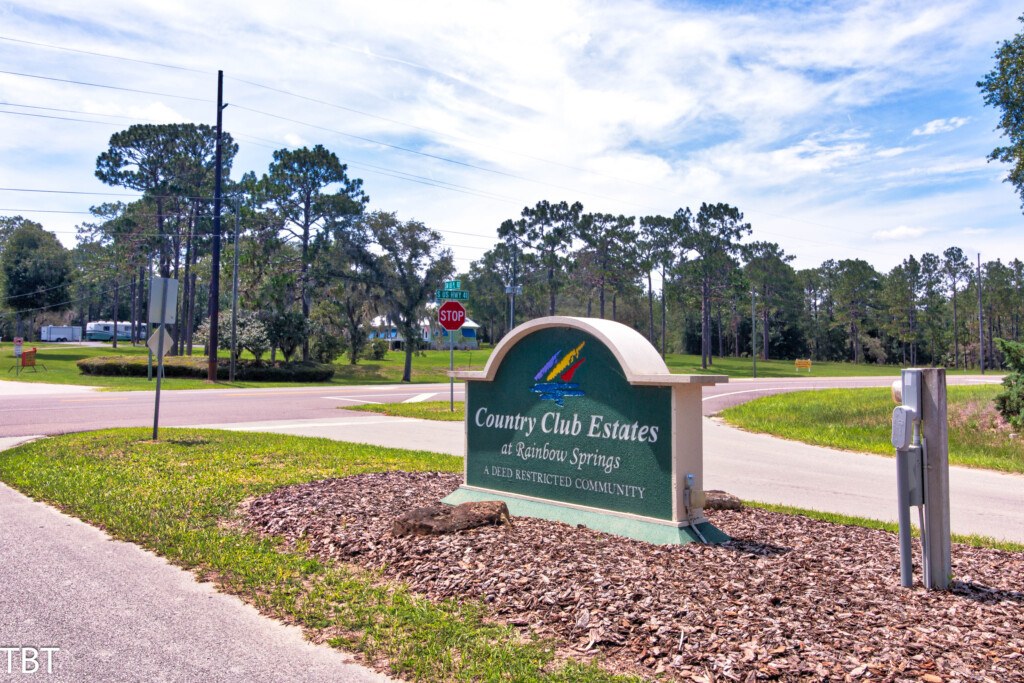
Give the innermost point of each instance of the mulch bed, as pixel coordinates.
(790, 598)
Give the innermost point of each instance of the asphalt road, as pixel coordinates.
(27, 409)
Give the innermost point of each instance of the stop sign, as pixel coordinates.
(451, 315)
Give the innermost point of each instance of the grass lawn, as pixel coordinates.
(743, 367)
(173, 496)
(427, 367)
(60, 359)
(861, 420)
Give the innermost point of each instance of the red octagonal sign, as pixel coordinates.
(451, 315)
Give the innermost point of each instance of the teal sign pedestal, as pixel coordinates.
(578, 420)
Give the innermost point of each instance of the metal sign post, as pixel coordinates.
(160, 292)
(451, 316)
(18, 341)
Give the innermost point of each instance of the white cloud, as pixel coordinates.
(902, 232)
(892, 152)
(940, 126)
(637, 106)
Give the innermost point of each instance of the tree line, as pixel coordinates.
(315, 267)
(721, 295)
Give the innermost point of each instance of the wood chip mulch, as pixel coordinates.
(790, 598)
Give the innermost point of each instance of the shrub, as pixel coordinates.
(376, 350)
(324, 347)
(1011, 402)
(251, 332)
(287, 331)
(195, 367)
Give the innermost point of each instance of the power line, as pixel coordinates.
(400, 174)
(100, 54)
(334, 105)
(107, 87)
(66, 303)
(74, 111)
(302, 123)
(57, 118)
(428, 155)
(172, 216)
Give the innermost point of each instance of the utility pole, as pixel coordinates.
(215, 267)
(981, 323)
(234, 296)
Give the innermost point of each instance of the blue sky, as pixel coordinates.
(841, 130)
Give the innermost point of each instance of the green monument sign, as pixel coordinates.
(579, 420)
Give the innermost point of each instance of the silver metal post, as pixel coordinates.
(935, 440)
(160, 360)
(451, 367)
(981, 323)
(753, 332)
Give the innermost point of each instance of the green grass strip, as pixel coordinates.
(975, 540)
(425, 410)
(174, 495)
(861, 420)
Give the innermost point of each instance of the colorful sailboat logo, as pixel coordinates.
(546, 382)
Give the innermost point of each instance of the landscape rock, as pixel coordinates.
(720, 500)
(439, 519)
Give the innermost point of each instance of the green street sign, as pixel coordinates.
(453, 284)
(456, 295)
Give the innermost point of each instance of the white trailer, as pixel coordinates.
(60, 333)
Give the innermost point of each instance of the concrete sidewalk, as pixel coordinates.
(119, 613)
(368, 428)
(11, 387)
(773, 470)
(752, 466)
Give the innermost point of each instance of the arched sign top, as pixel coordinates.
(639, 360)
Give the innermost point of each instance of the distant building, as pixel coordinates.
(431, 334)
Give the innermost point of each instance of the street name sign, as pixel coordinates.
(453, 284)
(451, 294)
(579, 420)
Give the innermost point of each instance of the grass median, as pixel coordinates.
(60, 368)
(178, 497)
(861, 420)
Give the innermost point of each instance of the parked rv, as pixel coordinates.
(103, 330)
(60, 333)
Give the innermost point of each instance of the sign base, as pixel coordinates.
(650, 531)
